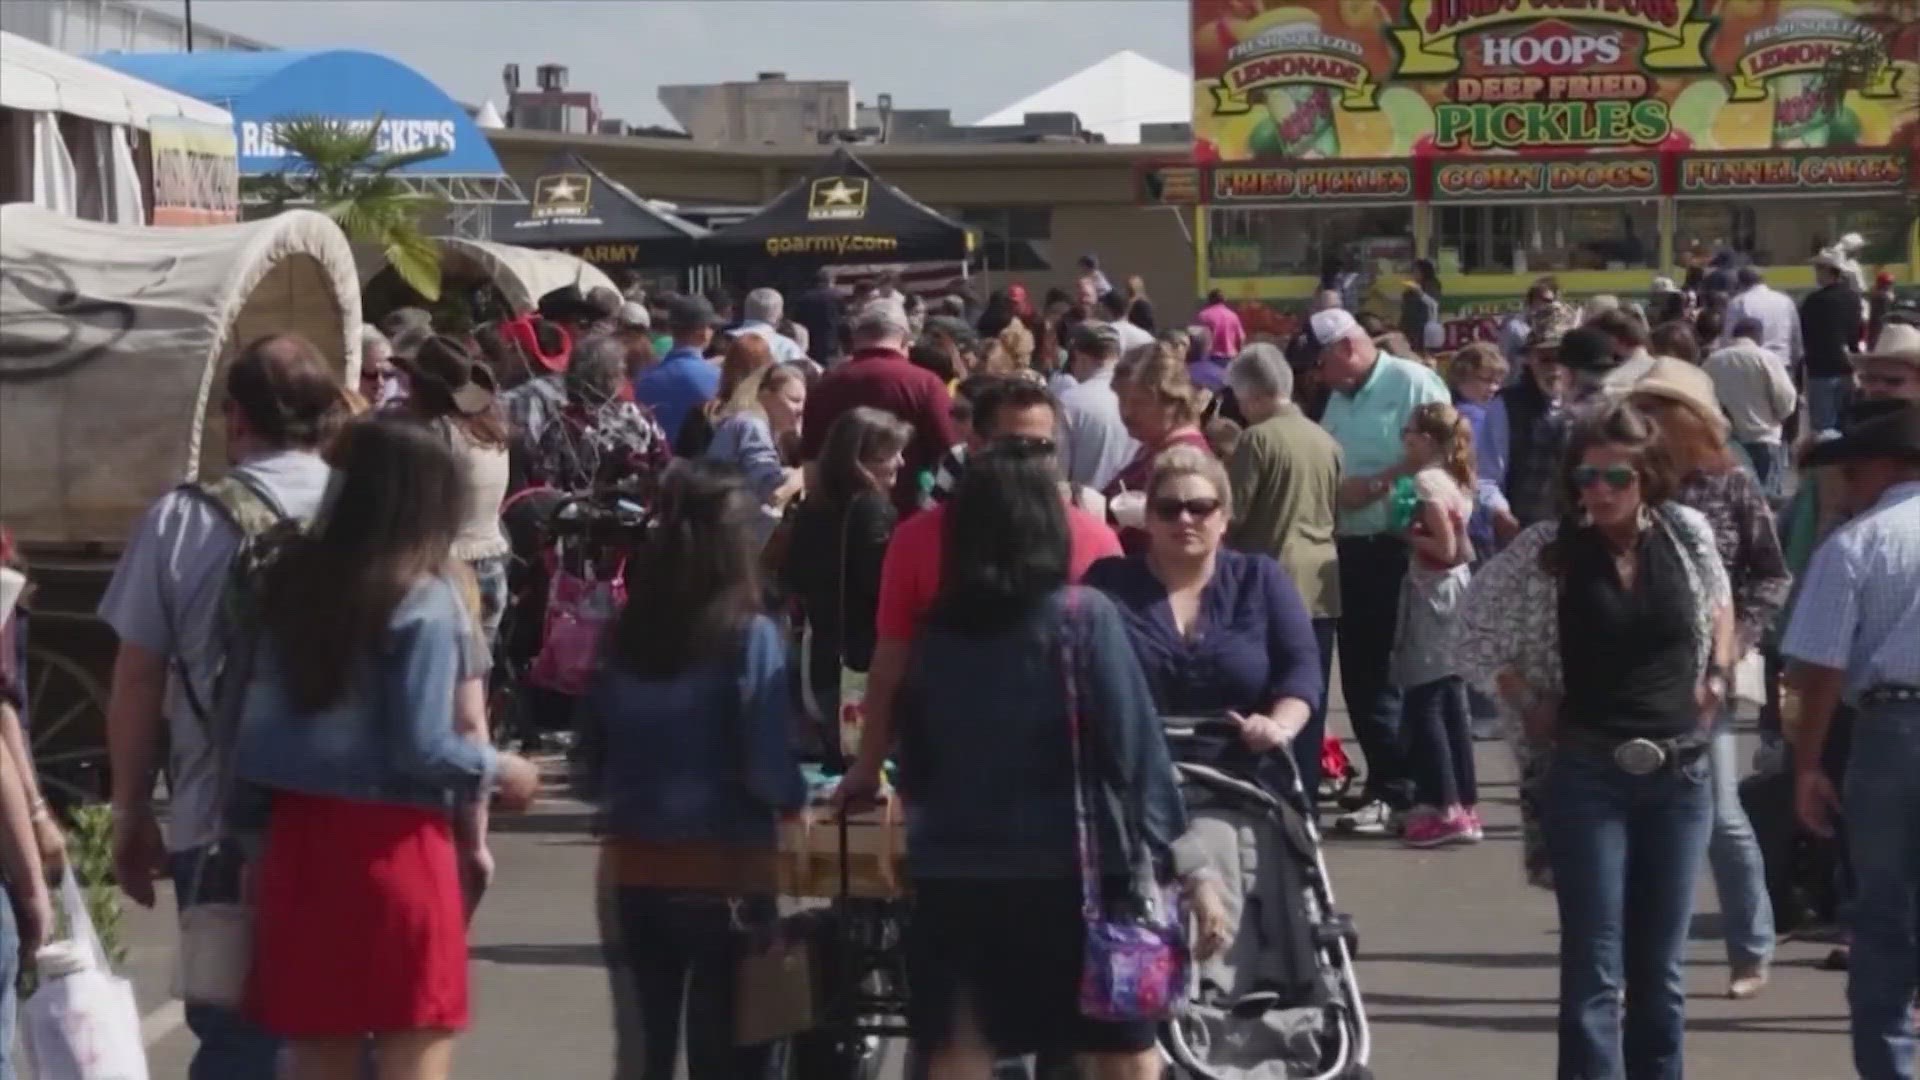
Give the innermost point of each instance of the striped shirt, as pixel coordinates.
(1859, 604)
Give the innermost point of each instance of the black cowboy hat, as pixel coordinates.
(444, 367)
(1894, 433)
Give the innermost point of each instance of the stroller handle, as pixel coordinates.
(1187, 728)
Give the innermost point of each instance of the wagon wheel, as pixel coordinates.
(67, 721)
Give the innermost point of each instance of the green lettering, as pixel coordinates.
(1610, 121)
(1651, 124)
(1451, 122)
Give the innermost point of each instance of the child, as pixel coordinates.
(1475, 374)
(1438, 445)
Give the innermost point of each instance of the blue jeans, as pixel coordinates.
(1371, 570)
(1769, 467)
(1440, 744)
(491, 577)
(1306, 745)
(1739, 870)
(9, 974)
(1611, 836)
(1825, 398)
(1883, 833)
(231, 1046)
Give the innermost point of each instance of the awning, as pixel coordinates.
(841, 214)
(37, 78)
(264, 89)
(582, 211)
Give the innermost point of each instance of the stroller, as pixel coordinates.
(1282, 1002)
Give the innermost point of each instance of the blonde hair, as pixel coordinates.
(1162, 370)
(746, 396)
(1479, 360)
(1452, 433)
(1187, 460)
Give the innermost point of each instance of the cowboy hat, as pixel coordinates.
(1679, 381)
(1895, 433)
(1898, 342)
(443, 367)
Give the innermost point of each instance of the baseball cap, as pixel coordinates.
(1095, 338)
(634, 316)
(1332, 325)
(691, 313)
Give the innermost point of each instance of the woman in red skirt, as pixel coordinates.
(347, 737)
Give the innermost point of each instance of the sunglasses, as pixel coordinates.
(1170, 509)
(1617, 477)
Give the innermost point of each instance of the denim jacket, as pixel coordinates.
(705, 756)
(388, 739)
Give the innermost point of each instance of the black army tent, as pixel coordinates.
(840, 214)
(582, 211)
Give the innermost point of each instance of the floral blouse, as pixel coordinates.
(1749, 547)
(1509, 619)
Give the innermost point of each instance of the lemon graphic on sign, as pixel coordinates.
(1364, 134)
(1743, 125)
(1694, 109)
(1874, 120)
(1409, 113)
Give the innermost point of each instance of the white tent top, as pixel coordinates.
(39, 78)
(1113, 97)
(523, 275)
(488, 118)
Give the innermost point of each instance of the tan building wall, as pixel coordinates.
(1089, 189)
(769, 112)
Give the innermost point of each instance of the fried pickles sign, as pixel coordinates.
(1285, 80)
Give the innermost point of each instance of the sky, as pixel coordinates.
(972, 56)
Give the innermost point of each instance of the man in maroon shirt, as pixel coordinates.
(879, 376)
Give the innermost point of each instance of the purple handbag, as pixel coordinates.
(1136, 961)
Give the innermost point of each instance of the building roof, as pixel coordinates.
(1112, 98)
(39, 78)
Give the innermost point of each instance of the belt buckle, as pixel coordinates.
(1639, 757)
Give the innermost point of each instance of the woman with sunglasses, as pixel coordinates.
(1218, 632)
(1609, 632)
(380, 382)
(1680, 397)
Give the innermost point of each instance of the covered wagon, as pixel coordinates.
(519, 276)
(113, 344)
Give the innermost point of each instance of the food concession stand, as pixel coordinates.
(1602, 143)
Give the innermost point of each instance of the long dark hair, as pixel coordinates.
(1007, 543)
(397, 504)
(859, 437)
(693, 585)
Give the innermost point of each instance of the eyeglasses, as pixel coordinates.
(1169, 509)
(1032, 444)
(1617, 477)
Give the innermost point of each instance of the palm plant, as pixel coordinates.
(338, 168)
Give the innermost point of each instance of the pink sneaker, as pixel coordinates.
(1452, 827)
(1479, 830)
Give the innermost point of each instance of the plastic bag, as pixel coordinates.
(83, 1023)
(579, 610)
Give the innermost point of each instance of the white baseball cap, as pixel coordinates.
(1331, 325)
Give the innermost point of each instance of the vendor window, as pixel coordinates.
(1259, 242)
(1789, 232)
(1534, 239)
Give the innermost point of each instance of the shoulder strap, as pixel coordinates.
(246, 505)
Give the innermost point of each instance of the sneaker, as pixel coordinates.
(1747, 981)
(1373, 819)
(1452, 827)
(1477, 830)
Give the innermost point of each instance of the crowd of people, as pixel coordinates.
(946, 545)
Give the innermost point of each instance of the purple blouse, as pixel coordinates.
(1251, 644)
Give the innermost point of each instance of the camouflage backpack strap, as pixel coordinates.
(248, 509)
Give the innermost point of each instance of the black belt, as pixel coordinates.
(1637, 757)
(1886, 692)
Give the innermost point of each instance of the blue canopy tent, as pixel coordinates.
(264, 89)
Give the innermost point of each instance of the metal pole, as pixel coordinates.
(189, 6)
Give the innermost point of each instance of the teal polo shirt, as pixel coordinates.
(1367, 425)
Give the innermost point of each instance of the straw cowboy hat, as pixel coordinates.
(1898, 342)
(1691, 386)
